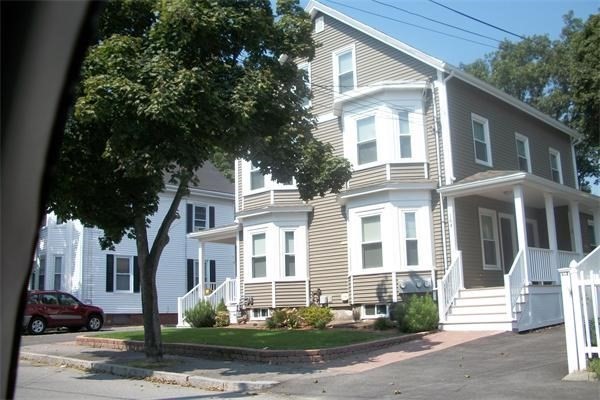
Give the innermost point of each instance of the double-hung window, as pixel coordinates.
(372, 254)
(289, 254)
(481, 140)
(305, 68)
(58, 272)
(259, 257)
(410, 238)
(123, 274)
(257, 179)
(555, 166)
(489, 238)
(344, 70)
(366, 140)
(405, 136)
(199, 218)
(523, 152)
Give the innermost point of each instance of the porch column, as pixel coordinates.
(576, 226)
(450, 207)
(201, 268)
(551, 226)
(521, 226)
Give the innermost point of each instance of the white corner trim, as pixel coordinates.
(445, 126)
(574, 164)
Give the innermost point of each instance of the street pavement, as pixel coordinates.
(448, 365)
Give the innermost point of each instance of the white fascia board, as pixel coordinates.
(222, 232)
(372, 90)
(274, 210)
(203, 192)
(343, 198)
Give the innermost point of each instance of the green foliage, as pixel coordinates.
(594, 366)
(201, 316)
(222, 319)
(284, 318)
(221, 306)
(558, 77)
(382, 323)
(417, 314)
(317, 317)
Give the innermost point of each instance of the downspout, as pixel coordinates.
(439, 168)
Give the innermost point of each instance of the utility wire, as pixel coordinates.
(476, 19)
(411, 24)
(434, 20)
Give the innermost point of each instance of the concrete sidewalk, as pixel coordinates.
(233, 375)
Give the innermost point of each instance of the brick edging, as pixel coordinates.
(246, 354)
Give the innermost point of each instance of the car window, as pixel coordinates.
(33, 299)
(49, 298)
(67, 300)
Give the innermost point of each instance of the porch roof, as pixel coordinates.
(498, 185)
(223, 234)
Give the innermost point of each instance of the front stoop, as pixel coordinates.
(479, 310)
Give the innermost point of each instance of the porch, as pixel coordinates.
(516, 231)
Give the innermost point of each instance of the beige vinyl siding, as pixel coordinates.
(261, 293)
(257, 200)
(407, 172)
(430, 134)
(504, 120)
(328, 249)
(373, 289)
(375, 61)
(287, 198)
(368, 177)
(290, 294)
(438, 244)
(330, 132)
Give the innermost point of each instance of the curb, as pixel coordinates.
(175, 378)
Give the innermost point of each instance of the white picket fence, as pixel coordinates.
(581, 292)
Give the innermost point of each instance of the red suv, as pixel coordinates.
(53, 309)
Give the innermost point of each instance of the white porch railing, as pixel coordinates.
(228, 291)
(542, 265)
(565, 258)
(514, 282)
(581, 291)
(449, 286)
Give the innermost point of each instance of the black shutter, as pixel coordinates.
(211, 217)
(213, 270)
(136, 275)
(110, 262)
(190, 274)
(190, 218)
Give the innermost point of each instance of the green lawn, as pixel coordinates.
(259, 339)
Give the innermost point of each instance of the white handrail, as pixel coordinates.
(186, 302)
(449, 286)
(227, 291)
(515, 281)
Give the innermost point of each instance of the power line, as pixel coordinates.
(476, 19)
(436, 21)
(411, 24)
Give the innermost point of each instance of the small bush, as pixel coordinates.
(382, 323)
(222, 319)
(284, 318)
(201, 316)
(221, 306)
(417, 314)
(594, 366)
(317, 317)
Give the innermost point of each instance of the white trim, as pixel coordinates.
(319, 24)
(575, 226)
(237, 184)
(556, 154)
(486, 139)
(363, 314)
(307, 67)
(492, 214)
(440, 84)
(322, 118)
(130, 273)
(525, 140)
(450, 207)
(335, 56)
(574, 160)
(202, 192)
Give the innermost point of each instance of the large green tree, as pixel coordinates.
(560, 78)
(170, 85)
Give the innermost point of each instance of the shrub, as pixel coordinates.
(382, 324)
(201, 316)
(417, 314)
(284, 318)
(221, 306)
(317, 317)
(594, 366)
(222, 318)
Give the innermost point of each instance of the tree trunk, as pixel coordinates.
(148, 265)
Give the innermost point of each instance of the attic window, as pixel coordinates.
(319, 24)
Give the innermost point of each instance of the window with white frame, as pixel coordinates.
(305, 67)
(259, 257)
(199, 218)
(366, 140)
(481, 140)
(411, 243)
(344, 70)
(289, 254)
(405, 135)
(489, 238)
(523, 152)
(257, 179)
(375, 311)
(123, 274)
(555, 166)
(58, 271)
(372, 252)
(260, 313)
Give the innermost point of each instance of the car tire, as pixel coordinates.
(94, 323)
(37, 325)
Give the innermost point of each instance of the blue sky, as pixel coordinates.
(525, 17)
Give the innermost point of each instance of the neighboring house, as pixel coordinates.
(69, 256)
(455, 185)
